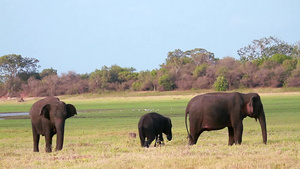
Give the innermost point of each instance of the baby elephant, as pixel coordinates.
(151, 126)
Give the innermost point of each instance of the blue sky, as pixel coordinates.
(84, 35)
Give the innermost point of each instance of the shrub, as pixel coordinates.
(221, 84)
(136, 86)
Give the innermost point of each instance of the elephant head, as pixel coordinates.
(168, 129)
(254, 109)
(57, 112)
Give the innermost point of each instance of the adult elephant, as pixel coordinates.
(214, 111)
(48, 118)
(151, 126)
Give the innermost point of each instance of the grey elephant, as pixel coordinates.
(48, 118)
(214, 111)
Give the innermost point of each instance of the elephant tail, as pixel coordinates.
(186, 126)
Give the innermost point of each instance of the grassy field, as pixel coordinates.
(98, 137)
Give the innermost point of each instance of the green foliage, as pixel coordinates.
(126, 76)
(48, 72)
(136, 86)
(280, 58)
(200, 70)
(290, 64)
(85, 76)
(115, 74)
(166, 81)
(221, 84)
(153, 73)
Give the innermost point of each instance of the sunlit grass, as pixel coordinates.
(98, 137)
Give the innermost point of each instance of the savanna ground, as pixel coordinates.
(98, 137)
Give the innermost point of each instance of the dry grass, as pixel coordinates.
(128, 155)
(100, 139)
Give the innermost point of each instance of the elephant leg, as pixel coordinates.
(194, 138)
(48, 138)
(156, 140)
(36, 140)
(197, 136)
(194, 135)
(59, 135)
(238, 132)
(231, 136)
(142, 136)
(161, 139)
(150, 138)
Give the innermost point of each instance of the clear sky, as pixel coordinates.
(84, 35)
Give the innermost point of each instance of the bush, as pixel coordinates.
(221, 84)
(136, 86)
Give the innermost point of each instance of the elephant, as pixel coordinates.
(214, 111)
(48, 117)
(151, 126)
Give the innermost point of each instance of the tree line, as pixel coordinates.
(266, 62)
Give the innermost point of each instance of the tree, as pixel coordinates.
(48, 72)
(175, 59)
(167, 82)
(264, 48)
(13, 65)
(290, 64)
(201, 56)
(118, 74)
(296, 51)
(99, 79)
(280, 58)
(145, 81)
(294, 79)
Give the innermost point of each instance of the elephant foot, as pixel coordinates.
(48, 150)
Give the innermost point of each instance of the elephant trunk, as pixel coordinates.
(60, 128)
(262, 121)
(169, 136)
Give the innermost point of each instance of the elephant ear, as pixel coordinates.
(250, 106)
(251, 110)
(71, 110)
(45, 112)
